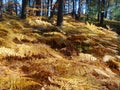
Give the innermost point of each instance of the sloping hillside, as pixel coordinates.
(37, 55)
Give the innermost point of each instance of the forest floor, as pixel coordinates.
(37, 55)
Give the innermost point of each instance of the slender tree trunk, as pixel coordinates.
(68, 6)
(41, 8)
(16, 10)
(46, 12)
(1, 5)
(51, 4)
(106, 8)
(105, 14)
(87, 3)
(79, 10)
(10, 7)
(101, 17)
(38, 7)
(53, 9)
(60, 13)
(24, 11)
(98, 18)
(74, 15)
(102, 11)
(64, 7)
(73, 6)
(29, 3)
(48, 5)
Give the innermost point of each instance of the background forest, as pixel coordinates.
(59, 45)
(90, 9)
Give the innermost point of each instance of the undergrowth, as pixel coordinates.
(36, 55)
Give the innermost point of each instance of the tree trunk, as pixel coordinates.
(30, 3)
(98, 18)
(64, 8)
(1, 4)
(10, 7)
(48, 5)
(24, 11)
(105, 14)
(53, 9)
(45, 8)
(68, 6)
(73, 7)
(88, 8)
(41, 8)
(79, 10)
(107, 6)
(38, 7)
(51, 4)
(101, 17)
(102, 11)
(73, 11)
(16, 10)
(60, 13)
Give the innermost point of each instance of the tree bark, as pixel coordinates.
(38, 7)
(24, 11)
(1, 5)
(101, 17)
(98, 18)
(16, 10)
(79, 10)
(73, 7)
(60, 13)
(48, 5)
(102, 11)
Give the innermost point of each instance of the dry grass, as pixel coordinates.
(31, 60)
